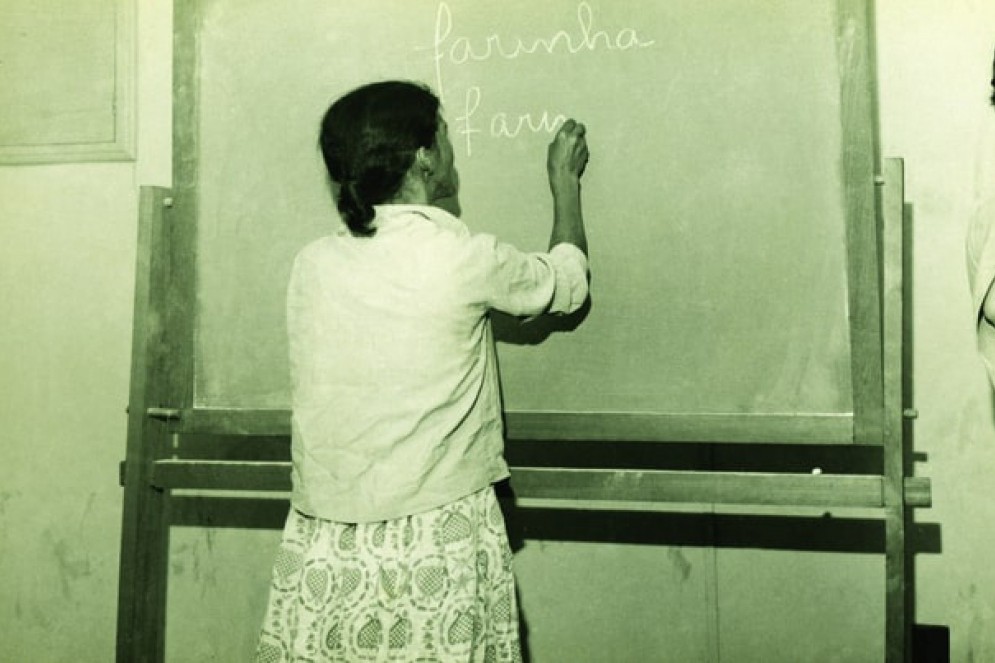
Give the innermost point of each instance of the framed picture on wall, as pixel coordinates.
(67, 72)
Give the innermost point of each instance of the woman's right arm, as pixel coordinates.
(565, 162)
(499, 276)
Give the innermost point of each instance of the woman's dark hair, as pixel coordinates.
(369, 138)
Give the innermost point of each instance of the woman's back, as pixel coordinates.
(396, 402)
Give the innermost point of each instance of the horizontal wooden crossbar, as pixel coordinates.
(595, 426)
(824, 490)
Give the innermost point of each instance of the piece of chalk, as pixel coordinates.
(816, 470)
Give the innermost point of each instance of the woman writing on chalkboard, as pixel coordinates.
(395, 548)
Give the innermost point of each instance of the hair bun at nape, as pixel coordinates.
(354, 209)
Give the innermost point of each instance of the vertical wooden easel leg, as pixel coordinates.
(899, 605)
(143, 577)
(898, 640)
(162, 359)
(145, 526)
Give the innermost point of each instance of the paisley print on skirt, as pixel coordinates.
(433, 587)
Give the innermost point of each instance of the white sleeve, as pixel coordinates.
(498, 276)
(570, 266)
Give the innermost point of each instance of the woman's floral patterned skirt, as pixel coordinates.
(432, 587)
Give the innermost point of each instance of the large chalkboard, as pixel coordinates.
(716, 195)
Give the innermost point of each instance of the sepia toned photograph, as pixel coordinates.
(460, 331)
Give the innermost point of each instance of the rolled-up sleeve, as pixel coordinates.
(499, 276)
(530, 284)
(570, 266)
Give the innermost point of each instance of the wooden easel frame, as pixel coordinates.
(161, 399)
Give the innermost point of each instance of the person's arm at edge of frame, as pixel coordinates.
(988, 304)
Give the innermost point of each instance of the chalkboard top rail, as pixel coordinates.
(579, 426)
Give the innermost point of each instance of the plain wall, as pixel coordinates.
(67, 244)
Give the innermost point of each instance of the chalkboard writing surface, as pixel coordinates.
(714, 195)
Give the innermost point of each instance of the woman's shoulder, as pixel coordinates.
(317, 247)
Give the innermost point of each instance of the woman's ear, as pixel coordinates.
(425, 160)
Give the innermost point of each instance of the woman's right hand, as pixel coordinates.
(567, 156)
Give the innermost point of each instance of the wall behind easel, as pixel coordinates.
(67, 240)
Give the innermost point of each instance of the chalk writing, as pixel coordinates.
(502, 125)
(465, 129)
(462, 49)
(450, 48)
